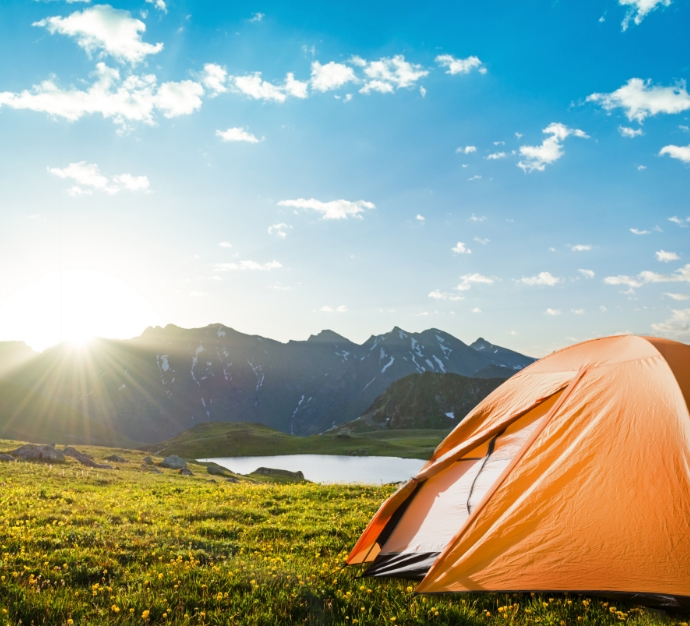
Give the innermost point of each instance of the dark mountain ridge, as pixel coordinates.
(169, 379)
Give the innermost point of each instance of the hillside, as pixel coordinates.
(27, 416)
(222, 440)
(422, 401)
(170, 379)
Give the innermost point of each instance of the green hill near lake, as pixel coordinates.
(246, 439)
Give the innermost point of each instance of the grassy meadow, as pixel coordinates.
(132, 546)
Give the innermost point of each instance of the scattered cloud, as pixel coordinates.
(476, 310)
(248, 265)
(460, 66)
(104, 30)
(468, 280)
(677, 296)
(665, 257)
(543, 278)
(475, 177)
(578, 311)
(477, 218)
(683, 223)
(482, 241)
(132, 99)
(257, 17)
(681, 275)
(631, 133)
(214, 78)
(640, 99)
(330, 76)
(580, 247)
(587, 273)
(677, 325)
(236, 134)
(333, 210)
(255, 87)
(637, 231)
(461, 248)
(497, 155)
(279, 229)
(551, 149)
(422, 92)
(553, 311)
(443, 295)
(639, 9)
(159, 4)
(640, 168)
(466, 150)
(225, 244)
(682, 153)
(420, 218)
(89, 176)
(389, 74)
(328, 309)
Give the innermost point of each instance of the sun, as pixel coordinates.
(75, 306)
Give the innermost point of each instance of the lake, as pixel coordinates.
(325, 468)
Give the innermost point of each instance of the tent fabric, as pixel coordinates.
(586, 489)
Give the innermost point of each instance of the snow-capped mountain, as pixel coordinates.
(169, 379)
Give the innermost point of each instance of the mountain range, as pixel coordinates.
(170, 379)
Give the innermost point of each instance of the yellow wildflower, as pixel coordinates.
(145, 614)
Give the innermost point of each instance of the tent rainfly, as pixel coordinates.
(574, 475)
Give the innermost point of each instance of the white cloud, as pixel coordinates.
(551, 149)
(460, 66)
(466, 150)
(102, 29)
(225, 244)
(677, 296)
(477, 218)
(681, 275)
(334, 210)
(497, 155)
(637, 231)
(640, 99)
(254, 86)
(279, 229)
(476, 310)
(665, 257)
(626, 131)
(587, 273)
(578, 311)
(482, 241)
(389, 74)
(443, 295)
(422, 92)
(461, 248)
(330, 76)
(468, 280)
(213, 78)
(328, 309)
(580, 248)
(639, 9)
(475, 177)
(553, 311)
(543, 278)
(236, 134)
(159, 4)
(89, 175)
(420, 218)
(677, 325)
(133, 99)
(683, 223)
(682, 153)
(247, 265)
(257, 17)
(181, 98)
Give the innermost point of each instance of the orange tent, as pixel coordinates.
(574, 475)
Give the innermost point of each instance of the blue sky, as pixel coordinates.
(518, 171)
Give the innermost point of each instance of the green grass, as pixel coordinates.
(214, 439)
(128, 546)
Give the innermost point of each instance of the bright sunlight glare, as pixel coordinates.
(74, 306)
